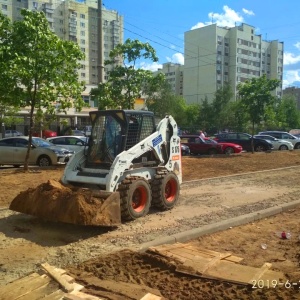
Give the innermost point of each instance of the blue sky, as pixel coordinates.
(162, 23)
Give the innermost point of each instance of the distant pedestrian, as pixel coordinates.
(201, 134)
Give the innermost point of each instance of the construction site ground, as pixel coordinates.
(214, 189)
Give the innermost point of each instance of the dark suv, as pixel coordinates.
(282, 135)
(244, 139)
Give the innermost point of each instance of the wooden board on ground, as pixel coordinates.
(54, 284)
(190, 259)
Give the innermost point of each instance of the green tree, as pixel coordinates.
(43, 68)
(220, 106)
(127, 83)
(255, 96)
(287, 114)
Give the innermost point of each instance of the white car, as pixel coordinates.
(10, 133)
(278, 144)
(13, 151)
(282, 135)
(71, 142)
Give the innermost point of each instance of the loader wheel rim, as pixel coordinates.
(139, 199)
(171, 190)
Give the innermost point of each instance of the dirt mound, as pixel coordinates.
(56, 202)
(159, 273)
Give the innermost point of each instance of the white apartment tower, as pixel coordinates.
(217, 55)
(78, 22)
(174, 76)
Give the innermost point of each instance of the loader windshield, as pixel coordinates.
(105, 140)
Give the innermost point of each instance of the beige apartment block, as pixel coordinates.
(217, 55)
(78, 22)
(174, 76)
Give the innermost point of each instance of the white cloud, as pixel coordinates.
(227, 19)
(297, 45)
(172, 46)
(290, 77)
(248, 12)
(290, 58)
(154, 66)
(177, 58)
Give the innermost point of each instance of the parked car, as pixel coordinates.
(10, 133)
(87, 130)
(45, 134)
(228, 148)
(185, 150)
(284, 136)
(13, 151)
(245, 140)
(277, 143)
(71, 142)
(198, 145)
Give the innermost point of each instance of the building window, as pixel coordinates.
(4, 6)
(82, 74)
(82, 24)
(82, 16)
(83, 49)
(82, 33)
(82, 41)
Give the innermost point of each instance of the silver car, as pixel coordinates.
(283, 136)
(71, 142)
(277, 143)
(10, 133)
(13, 152)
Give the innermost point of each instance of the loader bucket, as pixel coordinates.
(53, 201)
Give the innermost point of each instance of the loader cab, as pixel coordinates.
(115, 131)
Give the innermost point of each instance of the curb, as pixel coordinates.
(219, 226)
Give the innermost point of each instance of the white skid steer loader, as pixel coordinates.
(129, 165)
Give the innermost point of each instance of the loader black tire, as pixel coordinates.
(136, 196)
(165, 190)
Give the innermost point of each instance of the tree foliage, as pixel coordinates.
(40, 68)
(255, 96)
(126, 83)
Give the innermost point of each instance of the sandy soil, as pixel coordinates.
(92, 253)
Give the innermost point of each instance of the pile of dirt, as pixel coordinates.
(56, 202)
(148, 270)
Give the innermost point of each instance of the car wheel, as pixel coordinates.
(283, 147)
(297, 146)
(44, 161)
(212, 151)
(260, 148)
(229, 150)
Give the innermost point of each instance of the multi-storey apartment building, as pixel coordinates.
(174, 76)
(78, 22)
(295, 92)
(217, 55)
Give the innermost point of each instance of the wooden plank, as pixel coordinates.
(77, 295)
(66, 286)
(57, 295)
(261, 272)
(41, 292)
(151, 297)
(23, 286)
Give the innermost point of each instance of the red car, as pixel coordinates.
(228, 148)
(198, 145)
(45, 134)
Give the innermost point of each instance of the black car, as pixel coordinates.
(244, 139)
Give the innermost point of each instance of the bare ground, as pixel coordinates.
(94, 254)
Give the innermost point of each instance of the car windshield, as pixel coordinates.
(38, 142)
(210, 141)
